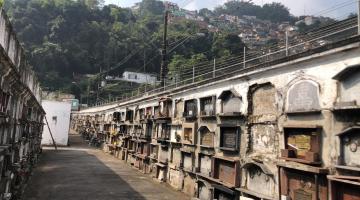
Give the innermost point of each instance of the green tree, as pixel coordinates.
(177, 64)
(226, 44)
(275, 12)
(179, 67)
(204, 12)
(151, 7)
(239, 8)
(66, 40)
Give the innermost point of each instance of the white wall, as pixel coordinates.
(140, 77)
(58, 116)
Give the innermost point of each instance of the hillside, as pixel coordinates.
(66, 40)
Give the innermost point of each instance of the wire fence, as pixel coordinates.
(291, 45)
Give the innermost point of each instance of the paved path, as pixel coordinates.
(83, 173)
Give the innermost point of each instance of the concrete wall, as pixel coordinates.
(58, 116)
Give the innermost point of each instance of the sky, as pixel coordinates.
(297, 7)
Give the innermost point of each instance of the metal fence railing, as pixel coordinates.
(290, 46)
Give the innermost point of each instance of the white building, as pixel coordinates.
(58, 116)
(308, 20)
(134, 77)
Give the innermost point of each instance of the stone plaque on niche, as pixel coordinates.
(207, 139)
(300, 194)
(229, 140)
(226, 172)
(303, 96)
(264, 101)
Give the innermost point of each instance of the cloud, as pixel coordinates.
(311, 7)
(122, 3)
(198, 4)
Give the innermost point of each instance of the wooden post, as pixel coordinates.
(47, 123)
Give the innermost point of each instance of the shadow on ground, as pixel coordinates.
(83, 173)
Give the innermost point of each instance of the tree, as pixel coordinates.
(94, 4)
(239, 8)
(275, 12)
(180, 66)
(226, 44)
(178, 63)
(66, 40)
(351, 15)
(151, 7)
(204, 12)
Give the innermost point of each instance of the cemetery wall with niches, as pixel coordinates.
(21, 114)
(286, 131)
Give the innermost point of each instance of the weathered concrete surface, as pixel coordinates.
(82, 173)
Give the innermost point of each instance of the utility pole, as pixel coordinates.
(98, 86)
(164, 64)
(147, 81)
(88, 91)
(214, 69)
(244, 58)
(144, 60)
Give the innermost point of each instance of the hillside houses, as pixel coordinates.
(254, 32)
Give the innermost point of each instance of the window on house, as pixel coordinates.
(132, 76)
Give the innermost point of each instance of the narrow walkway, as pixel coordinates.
(83, 173)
